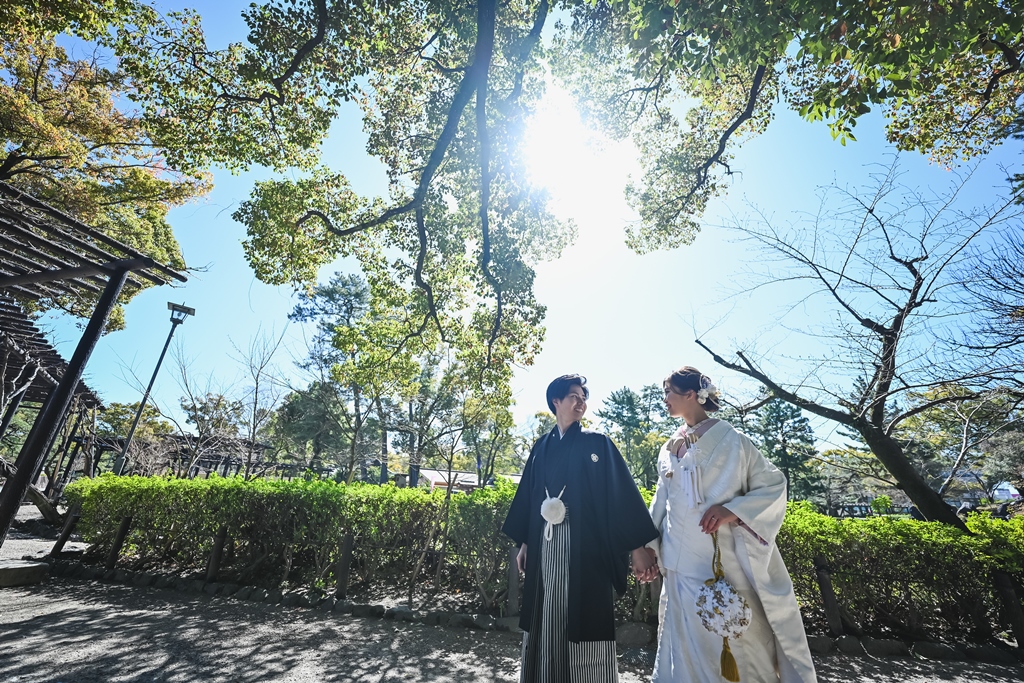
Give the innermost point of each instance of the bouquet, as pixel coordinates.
(723, 611)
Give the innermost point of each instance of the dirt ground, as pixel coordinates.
(68, 631)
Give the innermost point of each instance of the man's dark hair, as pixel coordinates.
(560, 388)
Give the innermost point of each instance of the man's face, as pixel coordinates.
(572, 407)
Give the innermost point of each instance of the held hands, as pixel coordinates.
(645, 565)
(714, 517)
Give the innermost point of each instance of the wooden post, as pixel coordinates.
(51, 415)
(115, 550)
(213, 568)
(74, 514)
(344, 566)
(1011, 603)
(513, 583)
(828, 596)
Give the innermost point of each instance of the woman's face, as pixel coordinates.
(676, 401)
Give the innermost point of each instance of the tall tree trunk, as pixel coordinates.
(383, 443)
(891, 455)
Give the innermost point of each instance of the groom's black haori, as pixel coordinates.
(609, 519)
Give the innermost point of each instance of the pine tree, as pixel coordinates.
(785, 437)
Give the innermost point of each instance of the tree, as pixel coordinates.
(345, 363)
(72, 139)
(116, 419)
(146, 453)
(993, 287)
(947, 76)
(446, 88)
(884, 268)
(958, 424)
(309, 429)
(491, 443)
(261, 395)
(785, 437)
(639, 423)
(1004, 461)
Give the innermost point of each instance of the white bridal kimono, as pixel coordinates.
(725, 468)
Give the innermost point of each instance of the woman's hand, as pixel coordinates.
(714, 517)
(521, 559)
(645, 565)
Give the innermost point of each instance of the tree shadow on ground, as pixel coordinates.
(86, 632)
(70, 631)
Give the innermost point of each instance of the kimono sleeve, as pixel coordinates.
(629, 521)
(517, 522)
(659, 507)
(763, 505)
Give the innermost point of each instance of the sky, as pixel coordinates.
(619, 318)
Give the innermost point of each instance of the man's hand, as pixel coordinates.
(645, 565)
(716, 516)
(521, 559)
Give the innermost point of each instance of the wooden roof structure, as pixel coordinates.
(47, 254)
(48, 257)
(27, 356)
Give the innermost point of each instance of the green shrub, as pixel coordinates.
(881, 505)
(901, 576)
(894, 575)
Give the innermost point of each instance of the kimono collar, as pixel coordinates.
(574, 427)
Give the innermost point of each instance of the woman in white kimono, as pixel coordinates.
(712, 478)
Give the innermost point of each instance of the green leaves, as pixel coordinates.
(946, 75)
(292, 226)
(69, 139)
(902, 576)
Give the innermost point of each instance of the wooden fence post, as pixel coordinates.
(122, 533)
(344, 566)
(73, 515)
(213, 568)
(833, 614)
(513, 583)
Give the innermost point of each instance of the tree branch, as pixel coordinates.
(484, 50)
(746, 114)
(749, 370)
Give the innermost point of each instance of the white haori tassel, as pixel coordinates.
(553, 512)
(693, 486)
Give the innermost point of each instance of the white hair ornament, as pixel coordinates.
(707, 390)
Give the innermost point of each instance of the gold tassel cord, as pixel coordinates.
(730, 671)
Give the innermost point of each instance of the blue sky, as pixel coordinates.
(619, 318)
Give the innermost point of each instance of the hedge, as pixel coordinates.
(894, 576)
(901, 576)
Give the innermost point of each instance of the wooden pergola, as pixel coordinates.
(49, 259)
(29, 365)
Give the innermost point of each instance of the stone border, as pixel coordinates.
(887, 648)
(629, 636)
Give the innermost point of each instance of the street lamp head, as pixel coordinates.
(179, 312)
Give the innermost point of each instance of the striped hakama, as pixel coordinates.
(548, 655)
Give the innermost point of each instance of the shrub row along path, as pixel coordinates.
(69, 631)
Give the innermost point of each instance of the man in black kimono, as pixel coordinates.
(576, 552)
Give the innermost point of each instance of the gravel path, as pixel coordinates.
(86, 632)
(69, 631)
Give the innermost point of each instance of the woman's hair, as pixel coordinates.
(561, 386)
(689, 378)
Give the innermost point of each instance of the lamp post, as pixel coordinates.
(178, 314)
